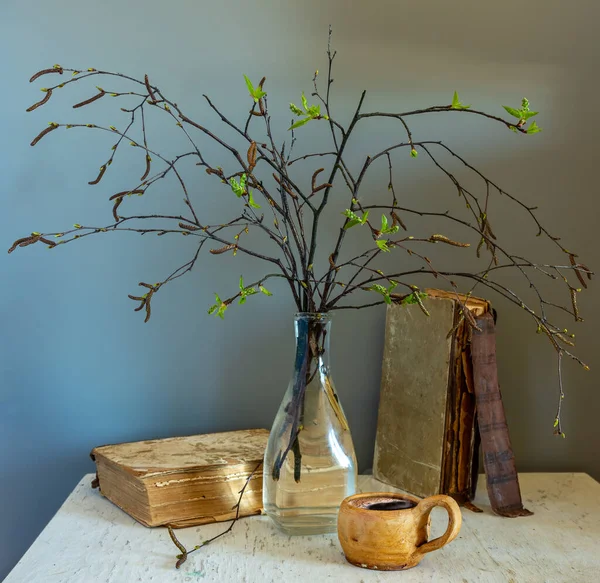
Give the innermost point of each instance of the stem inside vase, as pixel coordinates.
(310, 466)
(311, 340)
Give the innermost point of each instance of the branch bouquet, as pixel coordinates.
(267, 196)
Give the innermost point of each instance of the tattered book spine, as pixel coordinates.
(460, 456)
(498, 458)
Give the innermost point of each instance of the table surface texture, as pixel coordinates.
(90, 540)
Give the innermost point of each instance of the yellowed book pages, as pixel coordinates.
(184, 481)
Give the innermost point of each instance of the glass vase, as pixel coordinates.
(310, 464)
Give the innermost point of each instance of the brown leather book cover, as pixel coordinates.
(427, 442)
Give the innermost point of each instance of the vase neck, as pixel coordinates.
(312, 340)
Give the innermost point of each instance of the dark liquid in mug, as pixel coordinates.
(392, 505)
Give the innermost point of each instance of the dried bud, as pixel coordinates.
(147, 171)
(100, 175)
(55, 69)
(149, 89)
(251, 155)
(115, 207)
(43, 133)
(99, 95)
(126, 193)
(444, 239)
(42, 101)
(314, 178)
(188, 227)
(223, 249)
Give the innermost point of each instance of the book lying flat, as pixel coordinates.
(183, 481)
(427, 442)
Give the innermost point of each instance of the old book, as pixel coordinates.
(427, 441)
(183, 481)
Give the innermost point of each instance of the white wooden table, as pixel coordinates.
(91, 541)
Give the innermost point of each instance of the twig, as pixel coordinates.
(182, 557)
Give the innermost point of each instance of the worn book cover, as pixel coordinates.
(184, 481)
(427, 440)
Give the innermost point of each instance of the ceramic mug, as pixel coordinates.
(389, 531)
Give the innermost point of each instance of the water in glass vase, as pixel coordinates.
(310, 465)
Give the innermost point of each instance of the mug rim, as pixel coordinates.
(349, 501)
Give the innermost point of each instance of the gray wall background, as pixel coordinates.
(79, 367)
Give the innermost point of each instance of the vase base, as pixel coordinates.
(306, 524)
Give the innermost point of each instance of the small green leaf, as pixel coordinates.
(556, 422)
(296, 110)
(299, 123)
(384, 224)
(251, 202)
(256, 93)
(412, 298)
(314, 110)
(456, 104)
(384, 227)
(534, 128)
(219, 307)
(249, 85)
(455, 100)
(241, 283)
(354, 218)
(238, 187)
(512, 129)
(413, 153)
(378, 288)
(304, 102)
(383, 291)
(525, 104)
(527, 114)
(264, 290)
(242, 300)
(512, 111)
(382, 244)
(352, 223)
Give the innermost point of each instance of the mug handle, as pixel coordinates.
(454, 521)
